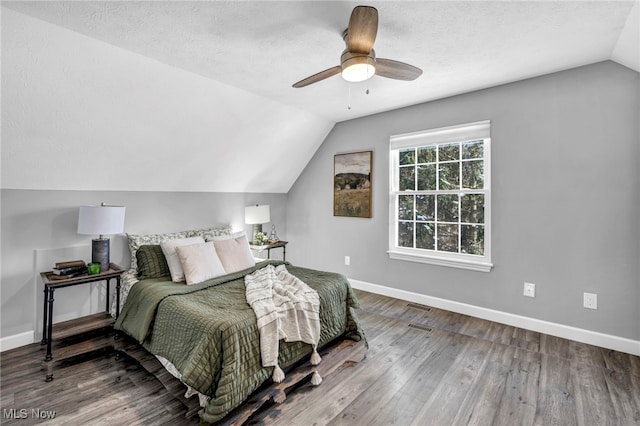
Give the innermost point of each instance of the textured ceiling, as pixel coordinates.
(263, 47)
(197, 96)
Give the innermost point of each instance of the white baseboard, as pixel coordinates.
(17, 340)
(595, 338)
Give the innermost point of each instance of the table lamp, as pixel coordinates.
(256, 216)
(100, 220)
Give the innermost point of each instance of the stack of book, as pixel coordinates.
(65, 270)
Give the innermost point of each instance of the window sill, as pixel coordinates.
(441, 261)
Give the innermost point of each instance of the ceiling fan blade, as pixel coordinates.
(363, 28)
(396, 70)
(319, 76)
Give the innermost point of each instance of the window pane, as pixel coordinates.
(407, 178)
(448, 208)
(449, 152)
(472, 240)
(427, 177)
(473, 149)
(427, 154)
(407, 156)
(405, 207)
(425, 207)
(473, 174)
(472, 208)
(449, 175)
(440, 189)
(405, 234)
(448, 238)
(425, 236)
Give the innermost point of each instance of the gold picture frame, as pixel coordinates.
(352, 184)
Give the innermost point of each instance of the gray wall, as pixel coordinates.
(47, 221)
(565, 200)
(566, 203)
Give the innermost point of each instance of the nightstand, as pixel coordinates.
(78, 326)
(262, 247)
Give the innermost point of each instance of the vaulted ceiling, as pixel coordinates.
(243, 57)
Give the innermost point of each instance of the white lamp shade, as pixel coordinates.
(100, 220)
(257, 214)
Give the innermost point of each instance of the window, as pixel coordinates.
(440, 197)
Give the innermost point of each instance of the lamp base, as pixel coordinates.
(257, 227)
(100, 253)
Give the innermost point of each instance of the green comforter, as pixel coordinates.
(209, 332)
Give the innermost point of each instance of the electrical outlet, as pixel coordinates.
(347, 260)
(529, 290)
(590, 300)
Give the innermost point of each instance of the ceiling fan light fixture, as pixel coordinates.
(358, 61)
(358, 68)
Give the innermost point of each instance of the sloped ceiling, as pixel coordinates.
(197, 96)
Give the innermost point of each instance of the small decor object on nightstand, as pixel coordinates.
(261, 238)
(94, 268)
(69, 269)
(273, 237)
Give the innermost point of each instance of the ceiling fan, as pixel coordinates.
(358, 61)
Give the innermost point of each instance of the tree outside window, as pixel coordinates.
(440, 196)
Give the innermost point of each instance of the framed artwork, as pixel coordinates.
(352, 184)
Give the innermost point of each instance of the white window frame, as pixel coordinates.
(459, 133)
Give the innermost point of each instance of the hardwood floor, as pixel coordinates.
(425, 366)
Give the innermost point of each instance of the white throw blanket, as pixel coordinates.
(286, 308)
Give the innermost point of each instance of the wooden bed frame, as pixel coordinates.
(333, 356)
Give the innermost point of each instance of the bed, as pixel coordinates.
(206, 333)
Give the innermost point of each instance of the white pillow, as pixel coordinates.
(200, 262)
(169, 250)
(234, 252)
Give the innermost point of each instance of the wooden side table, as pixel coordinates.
(268, 247)
(79, 325)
